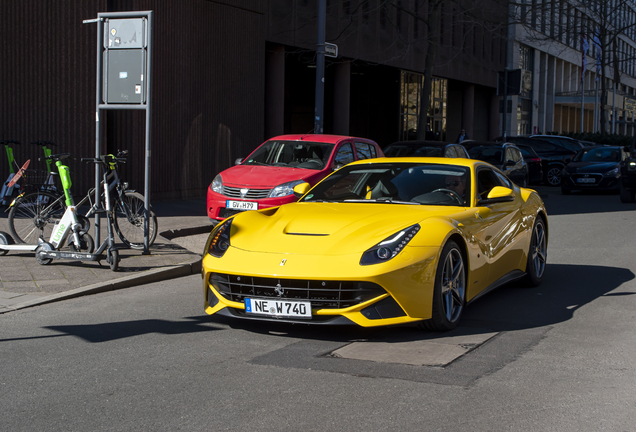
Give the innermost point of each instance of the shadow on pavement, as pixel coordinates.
(581, 202)
(566, 288)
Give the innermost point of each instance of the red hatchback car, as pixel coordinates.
(266, 178)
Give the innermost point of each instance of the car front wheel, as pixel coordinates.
(449, 294)
(627, 195)
(553, 176)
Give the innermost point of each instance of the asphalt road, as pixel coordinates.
(148, 358)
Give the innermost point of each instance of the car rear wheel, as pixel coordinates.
(537, 254)
(553, 176)
(627, 195)
(449, 294)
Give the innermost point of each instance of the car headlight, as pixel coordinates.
(285, 189)
(631, 166)
(220, 242)
(390, 247)
(217, 184)
(614, 173)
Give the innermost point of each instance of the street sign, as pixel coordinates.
(331, 50)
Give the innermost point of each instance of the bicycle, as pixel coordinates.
(35, 180)
(31, 215)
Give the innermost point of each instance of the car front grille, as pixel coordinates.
(226, 213)
(233, 192)
(323, 294)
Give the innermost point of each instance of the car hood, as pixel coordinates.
(336, 228)
(591, 167)
(263, 176)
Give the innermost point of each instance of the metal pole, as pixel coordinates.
(320, 68)
(147, 173)
(596, 109)
(582, 100)
(505, 103)
(614, 109)
(98, 123)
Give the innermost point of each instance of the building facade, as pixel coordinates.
(228, 74)
(547, 41)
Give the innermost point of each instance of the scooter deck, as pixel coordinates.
(83, 256)
(18, 247)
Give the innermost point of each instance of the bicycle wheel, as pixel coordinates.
(129, 220)
(34, 215)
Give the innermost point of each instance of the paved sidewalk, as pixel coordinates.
(183, 227)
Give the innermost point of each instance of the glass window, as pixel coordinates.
(345, 154)
(363, 151)
(305, 154)
(509, 157)
(450, 152)
(396, 183)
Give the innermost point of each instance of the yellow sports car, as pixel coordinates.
(379, 242)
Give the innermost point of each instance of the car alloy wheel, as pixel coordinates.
(627, 195)
(537, 254)
(553, 177)
(449, 294)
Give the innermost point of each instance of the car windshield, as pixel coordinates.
(490, 154)
(408, 150)
(598, 155)
(296, 154)
(396, 183)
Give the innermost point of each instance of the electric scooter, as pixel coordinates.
(8, 193)
(69, 226)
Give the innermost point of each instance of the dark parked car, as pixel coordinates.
(627, 184)
(552, 156)
(425, 149)
(593, 168)
(567, 142)
(534, 162)
(505, 156)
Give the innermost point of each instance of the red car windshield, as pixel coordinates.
(296, 154)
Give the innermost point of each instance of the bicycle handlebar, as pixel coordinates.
(44, 143)
(7, 142)
(59, 156)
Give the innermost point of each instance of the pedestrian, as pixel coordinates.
(462, 136)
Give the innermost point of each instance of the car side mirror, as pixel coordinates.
(499, 194)
(301, 189)
(337, 166)
(238, 161)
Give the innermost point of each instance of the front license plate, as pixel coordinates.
(241, 205)
(586, 180)
(278, 308)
